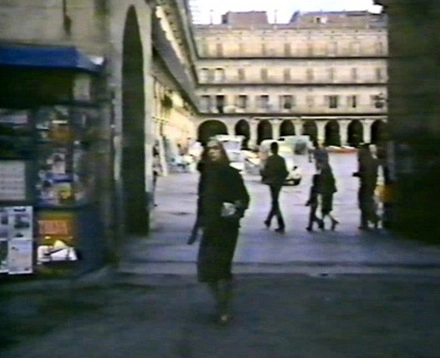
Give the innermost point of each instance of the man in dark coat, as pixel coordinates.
(367, 174)
(223, 199)
(320, 154)
(274, 174)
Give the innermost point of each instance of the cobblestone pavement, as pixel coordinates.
(323, 294)
(275, 316)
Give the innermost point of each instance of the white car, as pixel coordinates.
(295, 176)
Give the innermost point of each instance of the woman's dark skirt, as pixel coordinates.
(216, 252)
(326, 203)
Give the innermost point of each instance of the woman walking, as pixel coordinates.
(313, 203)
(223, 199)
(327, 188)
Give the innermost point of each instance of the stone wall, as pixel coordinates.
(414, 113)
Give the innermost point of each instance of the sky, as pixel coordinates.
(284, 8)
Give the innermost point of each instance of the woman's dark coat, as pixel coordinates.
(327, 187)
(219, 183)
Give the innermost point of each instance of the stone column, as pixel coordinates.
(343, 130)
(366, 124)
(321, 130)
(253, 131)
(231, 127)
(276, 124)
(298, 124)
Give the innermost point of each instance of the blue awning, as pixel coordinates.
(46, 58)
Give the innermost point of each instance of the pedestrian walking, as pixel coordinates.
(222, 201)
(274, 174)
(310, 150)
(327, 188)
(157, 171)
(367, 173)
(320, 154)
(313, 203)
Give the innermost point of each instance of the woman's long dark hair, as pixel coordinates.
(204, 159)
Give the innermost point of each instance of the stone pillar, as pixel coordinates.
(321, 130)
(276, 124)
(253, 131)
(231, 127)
(343, 130)
(366, 124)
(298, 124)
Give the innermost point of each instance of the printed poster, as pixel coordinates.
(12, 180)
(3, 256)
(16, 239)
(20, 256)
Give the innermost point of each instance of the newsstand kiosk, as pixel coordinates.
(49, 212)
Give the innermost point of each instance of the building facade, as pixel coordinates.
(322, 74)
(142, 89)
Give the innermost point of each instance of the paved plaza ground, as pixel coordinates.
(322, 294)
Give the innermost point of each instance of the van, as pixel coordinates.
(233, 147)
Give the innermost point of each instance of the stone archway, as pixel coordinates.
(355, 133)
(264, 131)
(287, 128)
(242, 128)
(209, 129)
(378, 132)
(134, 196)
(311, 129)
(332, 135)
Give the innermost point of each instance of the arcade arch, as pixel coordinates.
(242, 128)
(264, 131)
(311, 129)
(378, 131)
(355, 135)
(287, 128)
(332, 134)
(209, 129)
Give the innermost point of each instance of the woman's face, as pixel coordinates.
(214, 151)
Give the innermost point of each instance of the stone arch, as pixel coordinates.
(210, 128)
(311, 129)
(378, 132)
(242, 128)
(355, 133)
(287, 128)
(332, 134)
(264, 131)
(135, 205)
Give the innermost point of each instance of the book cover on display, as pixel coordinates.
(56, 237)
(15, 135)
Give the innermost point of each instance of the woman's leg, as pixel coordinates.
(225, 298)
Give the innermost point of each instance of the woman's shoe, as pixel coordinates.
(334, 223)
(321, 224)
(267, 223)
(308, 228)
